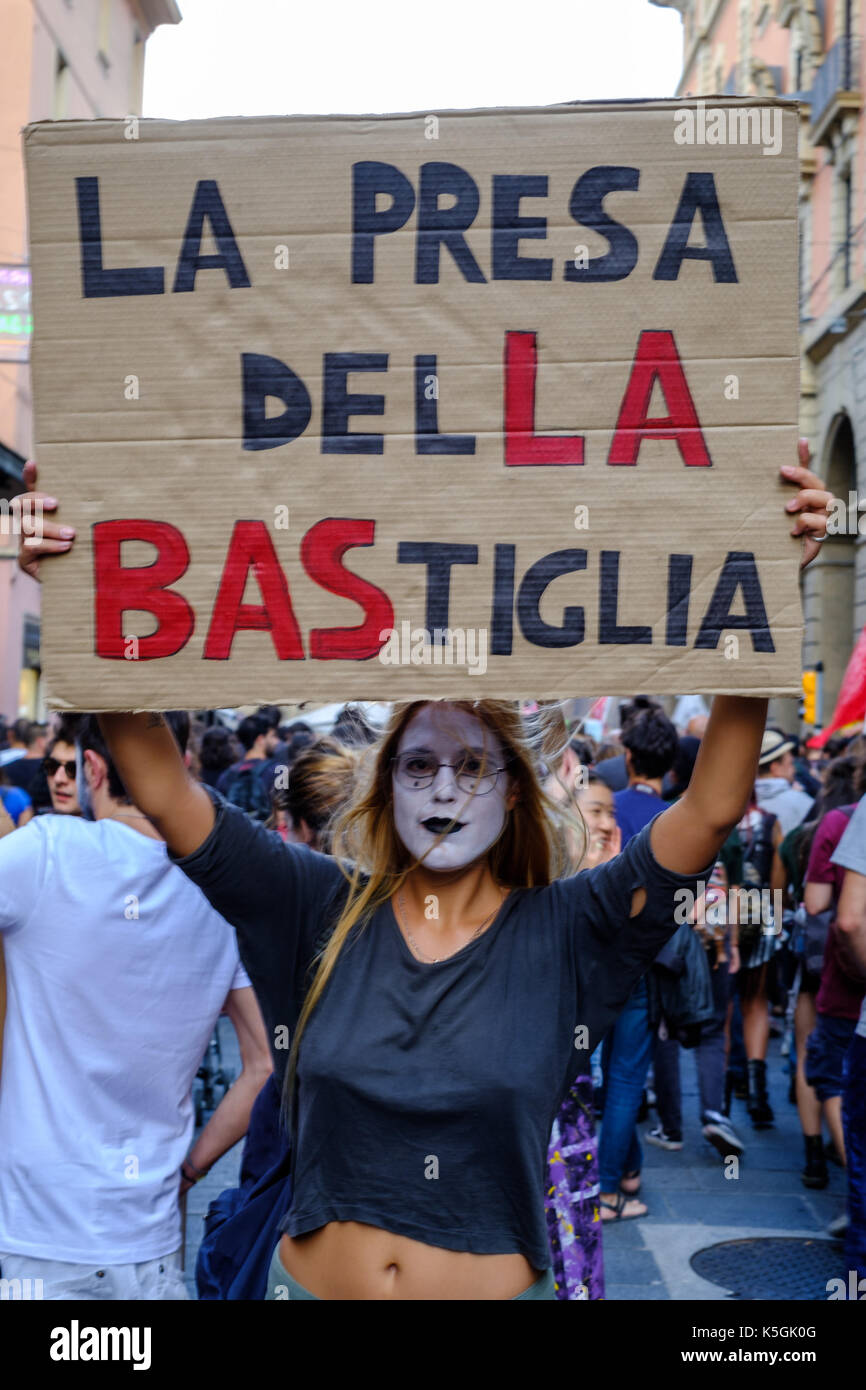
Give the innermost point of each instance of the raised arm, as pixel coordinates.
(145, 753)
(689, 835)
(142, 746)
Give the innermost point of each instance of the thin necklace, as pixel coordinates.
(435, 960)
(133, 815)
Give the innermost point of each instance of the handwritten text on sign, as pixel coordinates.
(414, 249)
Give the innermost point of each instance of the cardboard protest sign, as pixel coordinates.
(486, 403)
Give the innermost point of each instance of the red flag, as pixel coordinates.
(850, 708)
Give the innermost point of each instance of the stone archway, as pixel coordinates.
(835, 567)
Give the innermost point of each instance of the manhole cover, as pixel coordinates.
(772, 1268)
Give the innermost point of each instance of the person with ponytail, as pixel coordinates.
(320, 783)
(442, 979)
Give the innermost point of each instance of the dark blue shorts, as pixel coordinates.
(825, 1054)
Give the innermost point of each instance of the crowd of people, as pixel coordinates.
(106, 1020)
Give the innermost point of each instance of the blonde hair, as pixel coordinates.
(321, 781)
(531, 852)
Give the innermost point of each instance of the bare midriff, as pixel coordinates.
(349, 1260)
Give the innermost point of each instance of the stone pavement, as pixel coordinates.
(692, 1204)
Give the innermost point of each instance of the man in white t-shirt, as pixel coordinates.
(851, 933)
(117, 971)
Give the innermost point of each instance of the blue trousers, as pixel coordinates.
(709, 1056)
(854, 1122)
(626, 1059)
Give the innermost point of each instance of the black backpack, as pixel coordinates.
(683, 987)
(758, 851)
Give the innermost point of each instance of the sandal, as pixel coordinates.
(619, 1208)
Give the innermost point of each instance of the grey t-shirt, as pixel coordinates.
(426, 1092)
(851, 854)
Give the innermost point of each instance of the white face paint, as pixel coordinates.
(449, 735)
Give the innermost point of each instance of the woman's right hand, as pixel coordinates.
(142, 747)
(37, 535)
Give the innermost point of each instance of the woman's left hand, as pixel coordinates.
(809, 506)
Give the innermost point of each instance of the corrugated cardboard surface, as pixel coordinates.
(175, 454)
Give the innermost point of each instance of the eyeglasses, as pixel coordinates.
(415, 771)
(50, 766)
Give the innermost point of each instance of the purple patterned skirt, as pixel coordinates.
(573, 1217)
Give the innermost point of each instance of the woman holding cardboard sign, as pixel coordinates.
(440, 989)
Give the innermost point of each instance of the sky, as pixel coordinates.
(266, 57)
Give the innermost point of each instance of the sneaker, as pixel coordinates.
(719, 1132)
(661, 1140)
(837, 1228)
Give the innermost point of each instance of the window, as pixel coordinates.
(848, 228)
(744, 46)
(705, 68)
(842, 227)
(805, 259)
(136, 73)
(61, 87)
(104, 39)
(30, 658)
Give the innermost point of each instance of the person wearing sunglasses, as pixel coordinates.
(443, 978)
(60, 769)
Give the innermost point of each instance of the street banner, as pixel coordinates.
(15, 320)
(850, 711)
(484, 403)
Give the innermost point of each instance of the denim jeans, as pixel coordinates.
(626, 1058)
(854, 1121)
(709, 1056)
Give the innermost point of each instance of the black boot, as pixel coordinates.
(758, 1104)
(815, 1172)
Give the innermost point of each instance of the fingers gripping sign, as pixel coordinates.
(38, 536)
(810, 507)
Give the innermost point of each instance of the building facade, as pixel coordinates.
(812, 51)
(59, 59)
